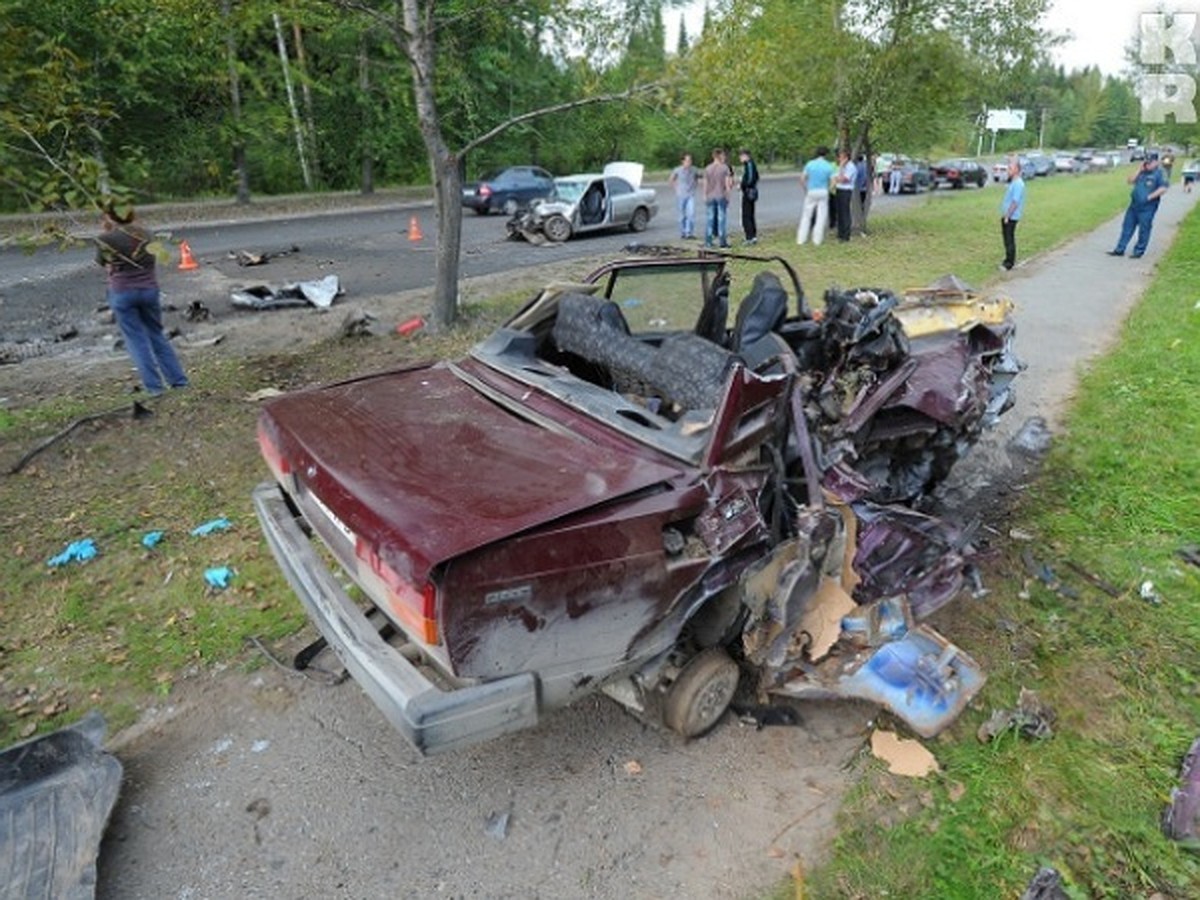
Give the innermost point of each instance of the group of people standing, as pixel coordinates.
(719, 182)
(829, 192)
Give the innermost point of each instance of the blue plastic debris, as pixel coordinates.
(218, 577)
(151, 539)
(77, 551)
(208, 528)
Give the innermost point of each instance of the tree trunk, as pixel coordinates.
(291, 96)
(235, 105)
(365, 134)
(447, 185)
(310, 128)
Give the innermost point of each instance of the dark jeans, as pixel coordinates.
(749, 226)
(1138, 217)
(843, 213)
(1008, 228)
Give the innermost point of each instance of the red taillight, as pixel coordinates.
(279, 466)
(415, 609)
(485, 191)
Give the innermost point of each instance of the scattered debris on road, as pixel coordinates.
(320, 293)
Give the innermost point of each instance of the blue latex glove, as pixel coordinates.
(208, 528)
(77, 551)
(151, 539)
(218, 577)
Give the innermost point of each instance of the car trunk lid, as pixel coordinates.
(423, 467)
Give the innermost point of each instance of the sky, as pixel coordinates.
(1100, 31)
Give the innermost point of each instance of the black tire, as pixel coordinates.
(557, 229)
(701, 693)
(641, 218)
(482, 210)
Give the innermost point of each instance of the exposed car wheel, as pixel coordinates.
(641, 218)
(482, 210)
(701, 693)
(510, 207)
(557, 229)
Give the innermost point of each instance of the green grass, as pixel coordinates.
(1118, 496)
(955, 232)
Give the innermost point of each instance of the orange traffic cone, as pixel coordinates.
(186, 260)
(414, 230)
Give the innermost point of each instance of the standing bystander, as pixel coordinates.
(718, 184)
(749, 186)
(815, 178)
(1012, 207)
(123, 248)
(683, 178)
(1149, 184)
(846, 175)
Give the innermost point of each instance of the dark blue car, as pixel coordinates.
(508, 190)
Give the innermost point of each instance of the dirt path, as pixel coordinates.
(267, 784)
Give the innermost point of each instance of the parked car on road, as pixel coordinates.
(959, 172)
(1065, 162)
(1000, 169)
(1042, 164)
(582, 203)
(626, 488)
(915, 175)
(507, 190)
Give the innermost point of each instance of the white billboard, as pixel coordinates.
(1006, 120)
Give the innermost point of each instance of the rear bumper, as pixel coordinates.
(431, 719)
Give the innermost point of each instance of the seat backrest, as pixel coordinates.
(761, 312)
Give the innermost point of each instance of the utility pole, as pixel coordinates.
(1042, 128)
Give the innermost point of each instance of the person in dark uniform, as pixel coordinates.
(749, 186)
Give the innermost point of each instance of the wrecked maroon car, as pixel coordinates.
(626, 488)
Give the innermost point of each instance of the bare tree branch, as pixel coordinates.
(634, 91)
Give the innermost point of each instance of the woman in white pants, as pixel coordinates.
(815, 180)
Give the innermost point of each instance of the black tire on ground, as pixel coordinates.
(641, 218)
(557, 229)
(481, 210)
(701, 693)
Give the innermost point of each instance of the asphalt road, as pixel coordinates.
(368, 248)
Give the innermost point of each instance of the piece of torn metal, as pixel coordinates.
(56, 794)
(320, 293)
(246, 258)
(1047, 884)
(1032, 719)
(1181, 820)
(902, 755)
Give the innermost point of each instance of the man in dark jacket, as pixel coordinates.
(749, 187)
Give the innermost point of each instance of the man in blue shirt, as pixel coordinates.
(815, 179)
(1012, 208)
(1149, 183)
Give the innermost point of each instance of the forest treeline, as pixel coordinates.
(176, 99)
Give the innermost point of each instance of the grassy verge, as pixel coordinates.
(1118, 498)
(118, 630)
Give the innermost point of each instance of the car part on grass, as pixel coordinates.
(1181, 820)
(56, 793)
(319, 293)
(1046, 884)
(648, 496)
(1032, 719)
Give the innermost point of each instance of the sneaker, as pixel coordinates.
(1116, 252)
(1135, 255)
(751, 241)
(725, 246)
